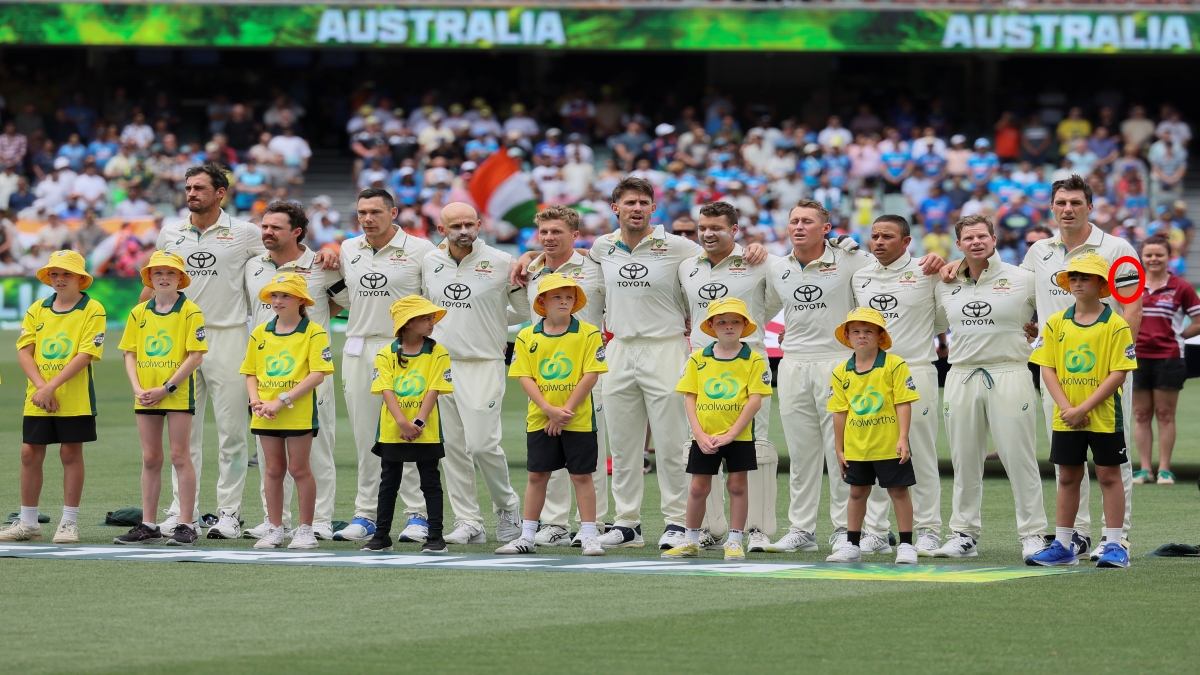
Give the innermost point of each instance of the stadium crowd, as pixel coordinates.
(100, 178)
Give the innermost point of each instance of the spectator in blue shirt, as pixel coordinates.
(249, 182)
(983, 163)
(811, 167)
(837, 166)
(105, 147)
(934, 165)
(1038, 192)
(896, 167)
(1104, 147)
(75, 151)
(936, 208)
(1003, 186)
(552, 147)
(1013, 220)
(1179, 214)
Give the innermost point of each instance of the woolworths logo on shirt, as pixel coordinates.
(409, 385)
(556, 367)
(57, 347)
(159, 345)
(867, 403)
(281, 365)
(1081, 361)
(724, 387)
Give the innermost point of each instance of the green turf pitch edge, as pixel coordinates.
(743, 570)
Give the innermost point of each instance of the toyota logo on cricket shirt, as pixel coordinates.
(884, 304)
(374, 280)
(976, 309)
(808, 293)
(457, 291)
(713, 291)
(202, 260)
(634, 271)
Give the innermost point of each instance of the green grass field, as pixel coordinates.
(122, 617)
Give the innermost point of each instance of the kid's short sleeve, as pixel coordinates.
(441, 378)
(593, 356)
(129, 338)
(760, 376)
(522, 364)
(1044, 347)
(688, 383)
(837, 393)
(904, 389)
(250, 362)
(381, 377)
(28, 334)
(1121, 352)
(91, 338)
(196, 340)
(320, 356)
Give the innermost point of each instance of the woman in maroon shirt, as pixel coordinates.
(1161, 368)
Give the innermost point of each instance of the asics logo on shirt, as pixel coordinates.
(713, 291)
(159, 345)
(1081, 361)
(281, 365)
(409, 385)
(867, 403)
(57, 347)
(556, 367)
(725, 387)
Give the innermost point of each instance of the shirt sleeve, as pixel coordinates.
(381, 377)
(837, 393)
(441, 378)
(593, 354)
(1122, 355)
(688, 384)
(196, 339)
(1044, 347)
(522, 364)
(320, 356)
(249, 363)
(337, 290)
(904, 389)
(1126, 274)
(28, 334)
(129, 338)
(760, 376)
(518, 298)
(1190, 302)
(91, 340)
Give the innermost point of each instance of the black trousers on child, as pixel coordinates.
(389, 487)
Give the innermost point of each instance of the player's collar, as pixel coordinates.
(83, 301)
(880, 359)
(737, 252)
(993, 267)
(539, 263)
(186, 223)
(659, 232)
(426, 347)
(476, 247)
(743, 354)
(572, 328)
(829, 256)
(305, 260)
(1095, 238)
(899, 263)
(174, 308)
(300, 327)
(1103, 318)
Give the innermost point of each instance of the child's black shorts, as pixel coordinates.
(284, 433)
(890, 473)
(575, 451)
(738, 456)
(1069, 448)
(159, 413)
(51, 430)
(409, 452)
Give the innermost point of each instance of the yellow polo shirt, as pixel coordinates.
(869, 399)
(557, 363)
(57, 337)
(281, 362)
(428, 369)
(161, 342)
(723, 387)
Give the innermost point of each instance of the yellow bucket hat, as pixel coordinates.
(166, 259)
(555, 281)
(410, 307)
(1088, 263)
(289, 282)
(69, 261)
(870, 316)
(729, 306)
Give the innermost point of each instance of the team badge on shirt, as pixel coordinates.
(327, 354)
(910, 385)
(98, 340)
(1130, 353)
(200, 335)
(447, 376)
(600, 354)
(766, 378)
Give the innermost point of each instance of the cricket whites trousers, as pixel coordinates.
(808, 427)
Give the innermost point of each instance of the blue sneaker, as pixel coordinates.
(1114, 555)
(416, 530)
(359, 529)
(1055, 556)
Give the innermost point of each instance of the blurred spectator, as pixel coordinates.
(1075, 126)
(137, 132)
(435, 134)
(834, 133)
(54, 235)
(240, 128)
(1137, 129)
(520, 123)
(983, 163)
(1105, 148)
(43, 161)
(1035, 141)
(1168, 169)
(134, 206)
(1179, 215)
(9, 180)
(937, 241)
(866, 122)
(89, 189)
(89, 235)
(1008, 138)
(52, 192)
(957, 156)
(74, 150)
(28, 122)
(323, 221)
(577, 113)
(1173, 124)
(1081, 157)
(105, 146)
(23, 198)
(916, 188)
(13, 146)
(295, 153)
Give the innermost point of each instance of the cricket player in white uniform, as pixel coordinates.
(989, 388)
(720, 272)
(558, 230)
(380, 266)
(813, 284)
(1071, 202)
(216, 247)
(896, 287)
(471, 280)
(284, 225)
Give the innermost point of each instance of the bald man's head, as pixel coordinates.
(459, 224)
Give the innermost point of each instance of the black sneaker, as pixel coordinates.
(140, 536)
(379, 542)
(434, 544)
(183, 536)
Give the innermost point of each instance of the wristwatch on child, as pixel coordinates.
(287, 399)
(419, 423)
(171, 388)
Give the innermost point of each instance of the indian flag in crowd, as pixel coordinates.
(501, 190)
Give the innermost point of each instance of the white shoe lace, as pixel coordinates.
(591, 544)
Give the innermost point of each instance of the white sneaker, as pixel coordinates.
(19, 531)
(1099, 550)
(67, 533)
(847, 553)
(794, 540)
(415, 531)
(591, 546)
(617, 537)
(577, 540)
(552, 535)
(355, 531)
(672, 537)
(303, 537)
(258, 531)
(756, 541)
(226, 528)
(466, 534)
(170, 524)
(838, 538)
(508, 525)
(323, 531)
(518, 546)
(1032, 545)
(870, 544)
(927, 543)
(708, 542)
(958, 546)
(907, 554)
(272, 539)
